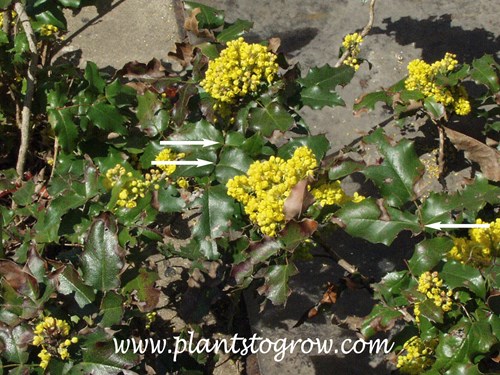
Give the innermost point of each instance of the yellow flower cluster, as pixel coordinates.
(267, 184)
(422, 77)
(481, 248)
(241, 68)
(150, 318)
(332, 193)
(351, 43)
(13, 15)
(168, 155)
(133, 188)
(430, 285)
(418, 356)
(52, 335)
(48, 30)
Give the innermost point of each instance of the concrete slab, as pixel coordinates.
(115, 32)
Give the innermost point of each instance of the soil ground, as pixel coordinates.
(311, 32)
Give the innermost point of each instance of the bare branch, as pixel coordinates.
(364, 33)
(30, 88)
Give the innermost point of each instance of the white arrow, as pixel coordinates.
(197, 162)
(439, 226)
(204, 143)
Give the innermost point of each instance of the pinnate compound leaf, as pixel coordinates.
(270, 118)
(399, 171)
(276, 287)
(376, 223)
(319, 84)
(102, 259)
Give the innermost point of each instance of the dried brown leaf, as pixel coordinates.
(488, 158)
(298, 200)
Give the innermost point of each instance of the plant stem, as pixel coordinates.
(30, 88)
(364, 32)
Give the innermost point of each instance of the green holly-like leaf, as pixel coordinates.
(369, 101)
(434, 109)
(111, 309)
(463, 343)
(429, 310)
(143, 285)
(269, 118)
(93, 77)
(15, 342)
(169, 200)
(318, 144)
(276, 287)
(233, 162)
(234, 31)
(319, 84)
(458, 275)
(208, 18)
(399, 171)
(485, 71)
(120, 95)
(102, 259)
(380, 319)
(69, 281)
(153, 119)
(64, 127)
(429, 253)
(181, 107)
(344, 168)
(217, 210)
(101, 357)
(107, 117)
(375, 223)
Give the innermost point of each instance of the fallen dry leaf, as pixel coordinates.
(488, 158)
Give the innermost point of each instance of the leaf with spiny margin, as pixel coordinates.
(276, 287)
(319, 84)
(269, 118)
(485, 71)
(429, 253)
(107, 117)
(153, 119)
(208, 18)
(111, 309)
(458, 275)
(366, 220)
(399, 171)
(217, 210)
(102, 258)
(368, 101)
(233, 162)
(69, 281)
(381, 318)
(234, 31)
(15, 342)
(318, 144)
(64, 127)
